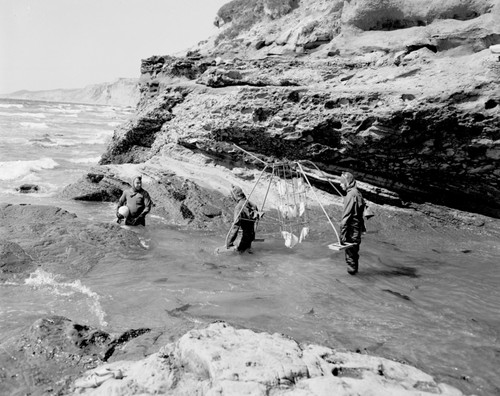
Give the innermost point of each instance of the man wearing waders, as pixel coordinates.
(244, 218)
(352, 223)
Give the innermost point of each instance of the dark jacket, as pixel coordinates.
(244, 212)
(244, 218)
(352, 224)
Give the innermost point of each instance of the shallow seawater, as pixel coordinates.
(430, 303)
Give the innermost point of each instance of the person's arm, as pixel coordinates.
(231, 237)
(255, 210)
(347, 215)
(147, 204)
(121, 202)
(233, 232)
(237, 212)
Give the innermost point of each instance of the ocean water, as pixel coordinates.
(49, 144)
(429, 297)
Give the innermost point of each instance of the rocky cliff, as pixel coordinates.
(404, 94)
(122, 92)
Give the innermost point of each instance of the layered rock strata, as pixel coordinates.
(406, 96)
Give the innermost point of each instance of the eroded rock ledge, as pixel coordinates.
(426, 129)
(406, 98)
(222, 360)
(216, 360)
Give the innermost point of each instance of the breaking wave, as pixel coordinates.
(90, 160)
(11, 105)
(11, 170)
(34, 125)
(43, 279)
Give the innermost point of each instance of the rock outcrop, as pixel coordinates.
(45, 357)
(58, 356)
(222, 360)
(404, 94)
(56, 241)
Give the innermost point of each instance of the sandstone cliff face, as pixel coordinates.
(404, 94)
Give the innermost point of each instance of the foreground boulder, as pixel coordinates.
(222, 360)
(44, 358)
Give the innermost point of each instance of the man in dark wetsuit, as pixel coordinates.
(138, 202)
(244, 218)
(352, 223)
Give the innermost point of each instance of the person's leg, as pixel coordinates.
(247, 237)
(245, 242)
(352, 259)
(232, 236)
(251, 237)
(135, 221)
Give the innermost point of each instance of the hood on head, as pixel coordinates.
(348, 179)
(237, 193)
(135, 178)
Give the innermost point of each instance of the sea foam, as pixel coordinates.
(11, 105)
(29, 115)
(11, 170)
(90, 160)
(47, 280)
(34, 125)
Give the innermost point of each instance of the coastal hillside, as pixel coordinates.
(122, 92)
(404, 94)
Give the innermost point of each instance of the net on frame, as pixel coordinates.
(292, 206)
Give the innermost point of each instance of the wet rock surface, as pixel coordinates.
(55, 240)
(28, 188)
(13, 259)
(46, 357)
(179, 200)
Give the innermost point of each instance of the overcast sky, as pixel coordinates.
(49, 44)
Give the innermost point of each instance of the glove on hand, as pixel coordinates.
(137, 220)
